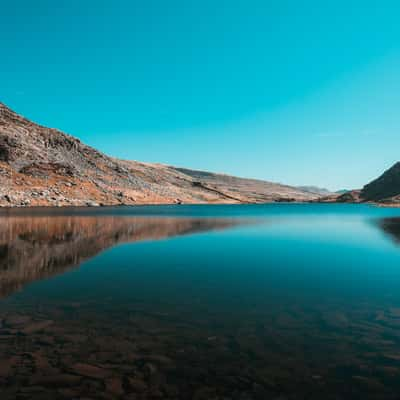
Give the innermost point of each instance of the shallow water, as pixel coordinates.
(204, 302)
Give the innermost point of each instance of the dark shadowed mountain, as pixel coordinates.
(385, 188)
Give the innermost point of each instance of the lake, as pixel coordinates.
(279, 301)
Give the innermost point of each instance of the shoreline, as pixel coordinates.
(101, 206)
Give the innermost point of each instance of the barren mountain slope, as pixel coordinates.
(386, 188)
(45, 167)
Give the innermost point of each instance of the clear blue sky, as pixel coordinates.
(301, 92)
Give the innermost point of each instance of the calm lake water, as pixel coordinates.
(245, 302)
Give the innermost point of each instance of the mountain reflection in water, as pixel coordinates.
(391, 226)
(38, 247)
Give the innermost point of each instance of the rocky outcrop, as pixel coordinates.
(41, 166)
(352, 196)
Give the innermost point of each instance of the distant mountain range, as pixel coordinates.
(41, 166)
(342, 191)
(315, 189)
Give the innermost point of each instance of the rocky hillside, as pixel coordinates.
(42, 166)
(386, 188)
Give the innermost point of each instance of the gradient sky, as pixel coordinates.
(300, 92)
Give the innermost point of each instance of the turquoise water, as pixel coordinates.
(207, 302)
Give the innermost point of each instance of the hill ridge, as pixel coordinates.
(43, 166)
(384, 188)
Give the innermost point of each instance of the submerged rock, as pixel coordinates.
(90, 371)
(36, 327)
